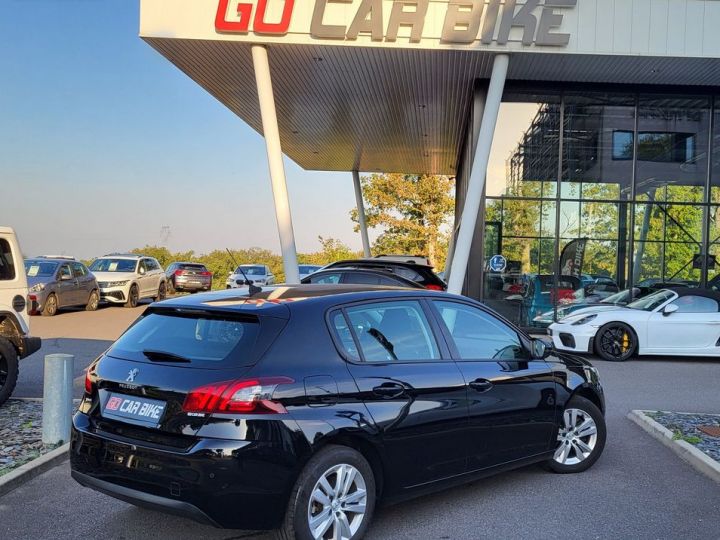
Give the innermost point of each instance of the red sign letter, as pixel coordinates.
(261, 27)
(241, 26)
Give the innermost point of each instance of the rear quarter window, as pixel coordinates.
(7, 263)
(212, 340)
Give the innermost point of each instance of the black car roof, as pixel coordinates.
(274, 301)
(378, 262)
(694, 291)
(377, 271)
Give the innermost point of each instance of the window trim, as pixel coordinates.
(435, 331)
(524, 340)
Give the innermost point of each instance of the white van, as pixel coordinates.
(15, 340)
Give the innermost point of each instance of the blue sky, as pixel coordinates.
(103, 142)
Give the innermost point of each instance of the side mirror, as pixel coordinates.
(669, 309)
(540, 349)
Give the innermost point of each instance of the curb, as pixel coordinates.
(30, 470)
(687, 452)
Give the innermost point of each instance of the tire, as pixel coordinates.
(162, 292)
(50, 308)
(133, 297)
(9, 368)
(576, 458)
(93, 302)
(170, 287)
(615, 342)
(326, 463)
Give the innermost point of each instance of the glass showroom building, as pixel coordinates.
(592, 121)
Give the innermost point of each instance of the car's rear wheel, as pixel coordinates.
(9, 368)
(93, 301)
(162, 292)
(581, 437)
(334, 497)
(615, 342)
(133, 297)
(50, 308)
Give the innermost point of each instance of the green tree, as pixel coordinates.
(414, 212)
(331, 250)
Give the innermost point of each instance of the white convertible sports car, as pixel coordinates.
(681, 322)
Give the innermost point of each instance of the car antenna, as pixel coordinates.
(252, 288)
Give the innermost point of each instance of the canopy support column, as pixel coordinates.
(476, 184)
(275, 161)
(362, 221)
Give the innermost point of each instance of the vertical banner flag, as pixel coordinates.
(572, 258)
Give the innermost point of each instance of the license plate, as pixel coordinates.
(141, 410)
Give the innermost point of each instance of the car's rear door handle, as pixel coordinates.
(481, 385)
(389, 390)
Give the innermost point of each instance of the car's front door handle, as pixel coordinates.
(481, 385)
(389, 390)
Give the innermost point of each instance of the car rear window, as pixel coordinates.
(7, 264)
(195, 267)
(202, 339)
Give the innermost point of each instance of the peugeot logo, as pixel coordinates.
(132, 374)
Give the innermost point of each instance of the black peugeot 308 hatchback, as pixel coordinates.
(298, 408)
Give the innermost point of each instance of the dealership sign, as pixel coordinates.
(538, 22)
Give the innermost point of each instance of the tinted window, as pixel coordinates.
(305, 269)
(393, 331)
(344, 334)
(360, 278)
(192, 267)
(113, 265)
(197, 338)
(407, 273)
(325, 279)
(39, 268)
(7, 264)
(479, 335)
(696, 304)
(79, 270)
(251, 270)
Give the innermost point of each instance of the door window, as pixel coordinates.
(344, 334)
(393, 331)
(142, 269)
(79, 270)
(478, 335)
(7, 265)
(696, 304)
(65, 272)
(325, 279)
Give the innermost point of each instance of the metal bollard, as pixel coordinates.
(57, 398)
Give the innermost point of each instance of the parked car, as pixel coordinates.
(419, 273)
(300, 407)
(539, 296)
(417, 259)
(58, 282)
(358, 276)
(15, 340)
(622, 298)
(259, 274)
(677, 322)
(185, 276)
(307, 269)
(601, 287)
(127, 279)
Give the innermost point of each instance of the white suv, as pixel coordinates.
(15, 340)
(127, 279)
(258, 274)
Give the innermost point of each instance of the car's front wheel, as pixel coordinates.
(334, 497)
(615, 342)
(51, 306)
(581, 437)
(93, 301)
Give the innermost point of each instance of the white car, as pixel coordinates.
(127, 279)
(259, 274)
(678, 322)
(307, 269)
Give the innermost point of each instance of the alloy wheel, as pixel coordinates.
(337, 504)
(616, 341)
(51, 305)
(577, 437)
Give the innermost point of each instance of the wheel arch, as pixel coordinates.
(366, 448)
(588, 392)
(11, 329)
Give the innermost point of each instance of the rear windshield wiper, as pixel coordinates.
(162, 356)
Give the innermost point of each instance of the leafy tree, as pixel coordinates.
(332, 250)
(413, 211)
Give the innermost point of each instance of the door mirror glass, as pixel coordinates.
(670, 309)
(540, 349)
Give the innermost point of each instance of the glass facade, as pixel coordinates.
(593, 193)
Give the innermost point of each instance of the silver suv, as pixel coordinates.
(127, 279)
(15, 340)
(59, 282)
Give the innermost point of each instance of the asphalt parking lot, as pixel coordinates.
(638, 489)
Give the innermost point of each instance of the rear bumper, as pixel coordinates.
(146, 500)
(226, 483)
(188, 284)
(30, 345)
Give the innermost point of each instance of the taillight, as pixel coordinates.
(206, 273)
(244, 397)
(88, 382)
(432, 287)
(179, 272)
